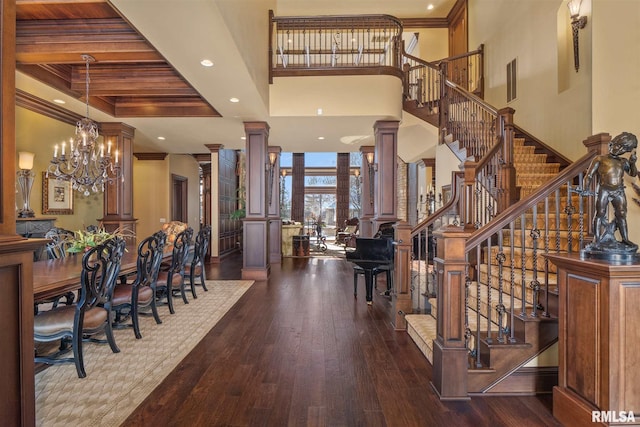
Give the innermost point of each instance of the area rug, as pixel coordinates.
(117, 383)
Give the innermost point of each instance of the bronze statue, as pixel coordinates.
(608, 171)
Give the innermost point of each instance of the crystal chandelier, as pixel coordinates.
(86, 165)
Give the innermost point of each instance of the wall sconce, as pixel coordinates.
(356, 173)
(577, 23)
(373, 167)
(271, 165)
(25, 180)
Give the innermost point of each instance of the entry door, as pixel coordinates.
(179, 198)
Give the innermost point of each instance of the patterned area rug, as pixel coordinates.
(117, 383)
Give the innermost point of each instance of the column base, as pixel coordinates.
(257, 274)
(449, 372)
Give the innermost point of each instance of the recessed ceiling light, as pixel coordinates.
(430, 7)
(59, 101)
(234, 100)
(319, 111)
(321, 138)
(206, 63)
(161, 138)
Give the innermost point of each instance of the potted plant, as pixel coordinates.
(83, 240)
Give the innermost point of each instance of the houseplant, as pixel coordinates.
(83, 240)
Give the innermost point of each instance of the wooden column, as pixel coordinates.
(598, 356)
(275, 220)
(343, 188)
(508, 169)
(255, 237)
(401, 297)
(118, 197)
(297, 187)
(366, 195)
(213, 202)
(386, 177)
(17, 390)
(449, 351)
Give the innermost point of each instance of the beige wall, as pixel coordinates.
(38, 134)
(615, 85)
(150, 195)
(553, 102)
(433, 43)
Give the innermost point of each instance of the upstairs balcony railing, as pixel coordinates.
(334, 44)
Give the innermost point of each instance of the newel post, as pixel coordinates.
(401, 299)
(510, 196)
(449, 351)
(468, 197)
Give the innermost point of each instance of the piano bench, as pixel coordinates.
(359, 270)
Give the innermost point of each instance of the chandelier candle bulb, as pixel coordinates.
(109, 148)
(101, 150)
(63, 146)
(55, 151)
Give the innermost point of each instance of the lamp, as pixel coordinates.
(373, 167)
(25, 181)
(356, 173)
(87, 165)
(577, 23)
(271, 165)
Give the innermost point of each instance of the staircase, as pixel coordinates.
(508, 270)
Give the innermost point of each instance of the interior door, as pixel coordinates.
(179, 198)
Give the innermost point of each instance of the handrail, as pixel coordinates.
(480, 50)
(456, 178)
(510, 214)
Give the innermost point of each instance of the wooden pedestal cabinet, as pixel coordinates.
(599, 341)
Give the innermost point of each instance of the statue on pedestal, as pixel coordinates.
(608, 172)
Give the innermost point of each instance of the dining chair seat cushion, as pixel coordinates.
(122, 294)
(163, 276)
(61, 319)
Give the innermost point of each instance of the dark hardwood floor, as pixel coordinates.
(299, 350)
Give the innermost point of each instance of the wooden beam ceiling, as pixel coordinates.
(129, 77)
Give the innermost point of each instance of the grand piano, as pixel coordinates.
(374, 255)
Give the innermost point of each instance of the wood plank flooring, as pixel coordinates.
(299, 350)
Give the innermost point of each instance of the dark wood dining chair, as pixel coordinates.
(60, 241)
(194, 270)
(130, 297)
(171, 279)
(91, 315)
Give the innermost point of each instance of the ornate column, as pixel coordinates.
(275, 221)
(213, 201)
(118, 197)
(255, 262)
(386, 175)
(366, 195)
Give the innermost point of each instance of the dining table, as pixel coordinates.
(54, 277)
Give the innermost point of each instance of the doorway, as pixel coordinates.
(179, 196)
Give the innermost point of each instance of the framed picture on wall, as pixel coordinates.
(57, 196)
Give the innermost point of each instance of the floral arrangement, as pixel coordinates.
(83, 240)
